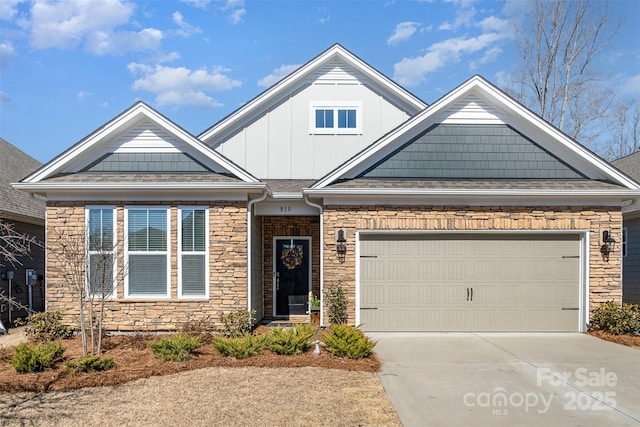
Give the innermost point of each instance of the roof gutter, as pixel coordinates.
(249, 244)
(320, 243)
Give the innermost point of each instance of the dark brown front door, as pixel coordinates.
(292, 275)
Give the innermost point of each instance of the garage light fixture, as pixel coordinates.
(608, 244)
(341, 247)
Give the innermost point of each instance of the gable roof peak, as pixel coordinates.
(298, 77)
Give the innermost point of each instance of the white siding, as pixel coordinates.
(278, 144)
(471, 110)
(145, 137)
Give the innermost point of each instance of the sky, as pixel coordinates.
(69, 66)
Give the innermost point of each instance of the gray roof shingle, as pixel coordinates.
(631, 166)
(525, 184)
(14, 166)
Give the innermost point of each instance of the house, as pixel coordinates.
(24, 283)
(630, 240)
(469, 214)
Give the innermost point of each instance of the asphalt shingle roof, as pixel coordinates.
(14, 166)
(97, 177)
(631, 166)
(533, 184)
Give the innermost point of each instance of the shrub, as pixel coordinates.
(90, 364)
(348, 341)
(203, 328)
(237, 323)
(293, 340)
(177, 349)
(616, 319)
(337, 304)
(45, 327)
(36, 357)
(239, 347)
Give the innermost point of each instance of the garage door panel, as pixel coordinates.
(422, 283)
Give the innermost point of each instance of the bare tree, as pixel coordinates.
(87, 270)
(13, 247)
(625, 131)
(558, 43)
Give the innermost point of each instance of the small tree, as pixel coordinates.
(86, 267)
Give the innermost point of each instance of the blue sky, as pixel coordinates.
(67, 67)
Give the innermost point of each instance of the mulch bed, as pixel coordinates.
(134, 359)
(629, 340)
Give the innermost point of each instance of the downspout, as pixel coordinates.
(321, 243)
(249, 241)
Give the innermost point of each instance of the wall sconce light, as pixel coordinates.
(608, 244)
(341, 248)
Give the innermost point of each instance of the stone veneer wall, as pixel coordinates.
(302, 226)
(604, 276)
(227, 268)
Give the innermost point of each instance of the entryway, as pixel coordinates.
(292, 275)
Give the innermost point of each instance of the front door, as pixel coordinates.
(292, 275)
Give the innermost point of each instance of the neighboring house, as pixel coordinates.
(471, 214)
(630, 240)
(26, 213)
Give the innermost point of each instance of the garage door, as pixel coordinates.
(473, 282)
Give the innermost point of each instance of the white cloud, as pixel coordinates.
(493, 30)
(464, 16)
(404, 31)
(102, 42)
(236, 16)
(94, 23)
(632, 86)
(82, 95)
(186, 29)
(412, 71)
(182, 86)
(199, 4)
(236, 10)
(277, 75)
(7, 54)
(8, 9)
(4, 97)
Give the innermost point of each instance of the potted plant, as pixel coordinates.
(314, 308)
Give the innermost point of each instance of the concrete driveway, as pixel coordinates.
(484, 379)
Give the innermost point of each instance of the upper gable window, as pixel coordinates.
(335, 118)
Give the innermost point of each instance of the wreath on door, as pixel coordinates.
(292, 257)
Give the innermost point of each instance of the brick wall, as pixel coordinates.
(604, 276)
(227, 268)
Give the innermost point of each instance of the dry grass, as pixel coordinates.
(214, 396)
(208, 390)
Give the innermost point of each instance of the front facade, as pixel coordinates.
(630, 239)
(471, 214)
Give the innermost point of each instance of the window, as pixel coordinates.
(147, 252)
(192, 256)
(624, 242)
(101, 251)
(335, 118)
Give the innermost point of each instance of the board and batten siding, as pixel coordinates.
(631, 263)
(279, 145)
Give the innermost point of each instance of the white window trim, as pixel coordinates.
(127, 252)
(335, 105)
(206, 252)
(87, 208)
(624, 242)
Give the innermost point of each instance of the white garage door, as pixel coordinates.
(476, 282)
